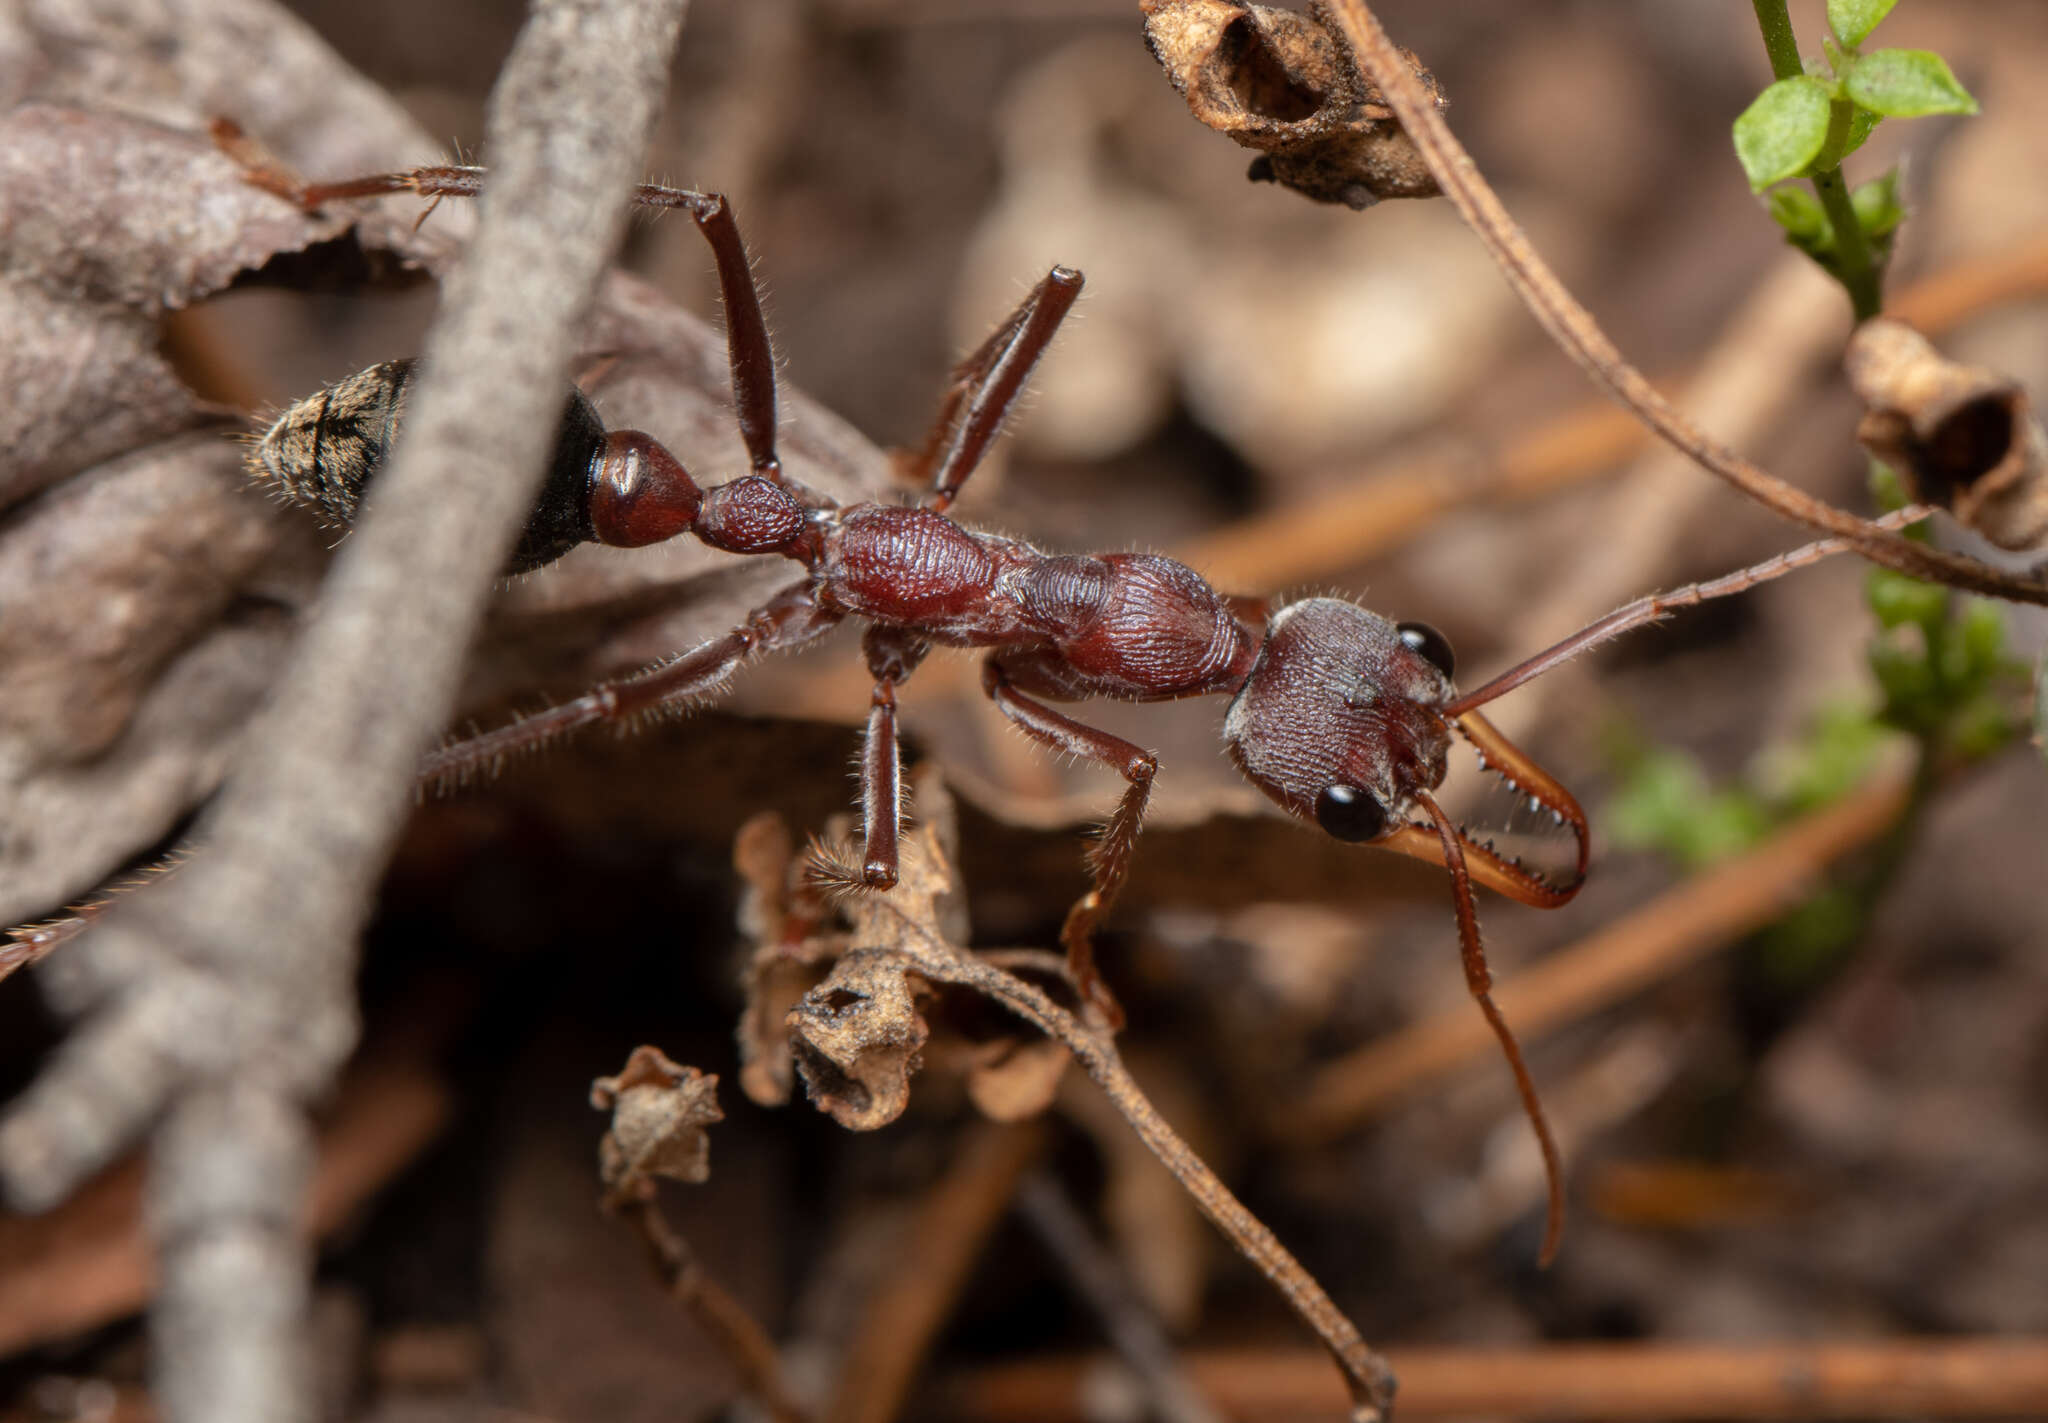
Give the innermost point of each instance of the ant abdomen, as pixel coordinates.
(323, 452)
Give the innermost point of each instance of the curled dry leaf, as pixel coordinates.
(659, 1111)
(1290, 86)
(1961, 436)
(848, 1010)
(779, 913)
(858, 1037)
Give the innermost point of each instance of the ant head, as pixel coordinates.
(1346, 720)
(1338, 720)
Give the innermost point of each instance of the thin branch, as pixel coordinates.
(1877, 1378)
(717, 1311)
(1575, 330)
(1366, 1375)
(240, 1003)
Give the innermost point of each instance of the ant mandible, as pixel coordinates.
(1341, 716)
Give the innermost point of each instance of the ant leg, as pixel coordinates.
(892, 655)
(1110, 859)
(749, 354)
(1479, 980)
(983, 387)
(746, 331)
(1662, 605)
(789, 619)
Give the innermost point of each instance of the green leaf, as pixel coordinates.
(1799, 212)
(1981, 636)
(1782, 132)
(1852, 20)
(1828, 762)
(1878, 209)
(1861, 122)
(1911, 697)
(1981, 727)
(1905, 84)
(1887, 490)
(1898, 599)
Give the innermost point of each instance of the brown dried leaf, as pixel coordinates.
(1290, 86)
(659, 1111)
(858, 1037)
(1963, 437)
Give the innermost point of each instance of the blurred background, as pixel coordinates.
(1794, 1036)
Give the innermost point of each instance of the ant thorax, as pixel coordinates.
(1338, 721)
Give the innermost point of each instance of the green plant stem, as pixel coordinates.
(1779, 41)
(1853, 262)
(1854, 269)
(1853, 265)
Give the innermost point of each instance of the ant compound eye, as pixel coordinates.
(1432, 646)
(1349, 813)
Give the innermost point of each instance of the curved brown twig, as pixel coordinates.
(1575, 330)
(1093, 1045)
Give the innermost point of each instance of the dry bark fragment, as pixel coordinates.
(1960, 436)
(1289, 85)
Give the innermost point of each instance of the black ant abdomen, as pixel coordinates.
(324, 450)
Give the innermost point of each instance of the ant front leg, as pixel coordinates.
(892, 655)
(985, 386)
(1110, 860)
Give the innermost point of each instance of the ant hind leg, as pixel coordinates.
(1110, 860)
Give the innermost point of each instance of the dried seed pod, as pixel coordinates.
(1961, 436)
(1290, 86)
(659, 1111)
(858, 1038)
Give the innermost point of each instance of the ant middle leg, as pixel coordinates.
(984, 387)
(892, 655)
(1110, 860)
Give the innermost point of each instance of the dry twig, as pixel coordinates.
(659, 1113)
(900, 933)
(237, 974)
(1575, 330)
(1886, 1378)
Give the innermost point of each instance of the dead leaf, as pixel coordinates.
(1290, 86)
(1963, 437)
(858, 1036)
(659, 1111)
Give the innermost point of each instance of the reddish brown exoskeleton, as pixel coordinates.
(1343, 717)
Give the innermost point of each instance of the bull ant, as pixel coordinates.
(1343, 717)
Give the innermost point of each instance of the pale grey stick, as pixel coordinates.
(247, 1006)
